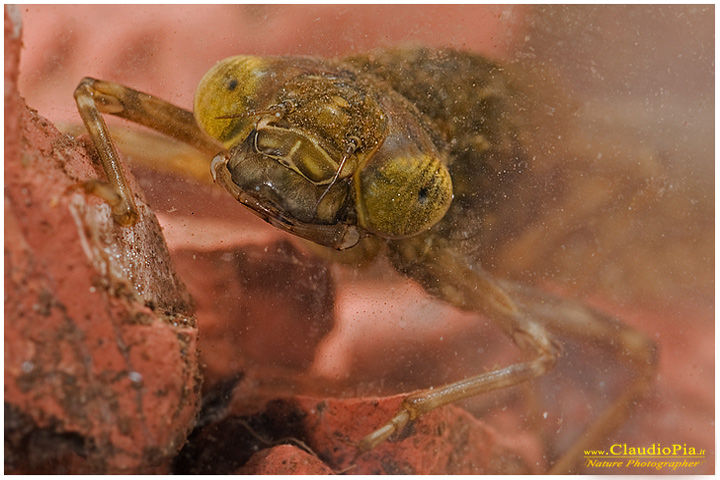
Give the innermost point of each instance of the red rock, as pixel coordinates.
(448, 440)
(260, 307)
(101, 372)
(284, 460)
(445, 441)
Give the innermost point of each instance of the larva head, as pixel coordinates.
(294, 129)
(313, 148)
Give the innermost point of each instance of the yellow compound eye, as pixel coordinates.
(228, 94)
(402, 195)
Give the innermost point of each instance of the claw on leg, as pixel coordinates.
(122, 211)
(396, 424)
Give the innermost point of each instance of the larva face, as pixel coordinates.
(315, 143)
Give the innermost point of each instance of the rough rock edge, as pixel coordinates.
(101, 368)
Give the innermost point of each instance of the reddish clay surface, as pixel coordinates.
(245, 286)
(282, 337)
(101, 372)
(446, 441)
(284, 460)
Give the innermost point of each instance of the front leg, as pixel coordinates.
(94, 97)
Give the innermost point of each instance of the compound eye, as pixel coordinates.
(402, 196)
(227, 93)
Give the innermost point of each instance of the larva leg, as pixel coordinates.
(94, 97)
(533, 339)
(443, 273)
(630, 347)
(530, 318)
